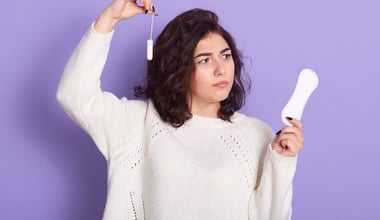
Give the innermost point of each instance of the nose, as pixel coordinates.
(220, 68)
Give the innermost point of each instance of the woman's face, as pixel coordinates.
(214, 71)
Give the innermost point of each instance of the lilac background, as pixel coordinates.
(50, 169)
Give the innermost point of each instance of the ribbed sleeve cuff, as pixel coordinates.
(100, 39)
(92, 28)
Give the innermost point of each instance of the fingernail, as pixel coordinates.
(146, 11)
(289, 118)
(154, 10)
(278, 132)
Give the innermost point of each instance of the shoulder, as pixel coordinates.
(250, 122)
(113, 105)
(252, 127)
(137, 105)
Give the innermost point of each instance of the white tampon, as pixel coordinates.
(149, 49)
(149, 42)
(307, 82)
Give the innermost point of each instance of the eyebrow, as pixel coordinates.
(208, 54)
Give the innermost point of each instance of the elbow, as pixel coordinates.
(60, 96)
(63, 97)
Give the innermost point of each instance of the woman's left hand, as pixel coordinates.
(289, 140)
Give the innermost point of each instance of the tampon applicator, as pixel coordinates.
(149, 42)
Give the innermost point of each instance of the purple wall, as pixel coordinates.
(50, 169)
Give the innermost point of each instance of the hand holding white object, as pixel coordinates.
(289, 140)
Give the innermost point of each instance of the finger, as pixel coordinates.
(288, 150)
(290, 130)
(281, 139)
(293, 131)
(295, 122)
(290, 147)
(143, 6)
(143, 10)
(296, 139)
(154, 10)
(148, 4)
(138, 9)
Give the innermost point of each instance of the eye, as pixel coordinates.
(203, 61)
(226, 56)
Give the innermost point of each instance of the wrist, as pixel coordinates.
(106, 22)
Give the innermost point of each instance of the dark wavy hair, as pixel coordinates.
(170, 71)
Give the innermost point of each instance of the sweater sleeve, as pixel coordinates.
(272, 197)
(79, 92)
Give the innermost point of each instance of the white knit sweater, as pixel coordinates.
(206, 169)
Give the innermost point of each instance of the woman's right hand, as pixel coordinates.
(121, 10)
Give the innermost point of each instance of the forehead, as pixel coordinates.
(212, 41)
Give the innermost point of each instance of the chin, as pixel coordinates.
(222, 98)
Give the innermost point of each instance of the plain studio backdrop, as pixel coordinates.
(51, 170)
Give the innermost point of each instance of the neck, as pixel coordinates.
(209, 110)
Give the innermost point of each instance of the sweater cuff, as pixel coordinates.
(99, 39)
(104, 34)
(281, 161)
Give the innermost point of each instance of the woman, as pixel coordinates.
(185, 153)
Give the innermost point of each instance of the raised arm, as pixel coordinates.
(79, 90)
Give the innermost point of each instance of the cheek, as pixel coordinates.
(232, 71)
(197, 84)
(200, 79)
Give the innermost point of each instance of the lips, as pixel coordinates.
(221, 84)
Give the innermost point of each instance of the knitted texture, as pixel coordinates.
(206, 169)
